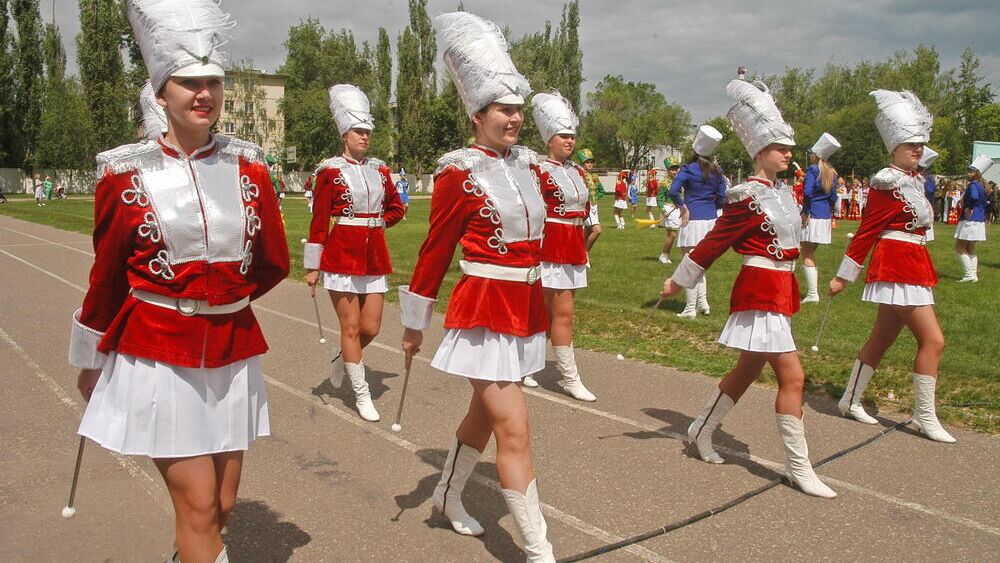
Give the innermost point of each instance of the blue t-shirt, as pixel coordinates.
(974, 199)
(817, 203)
(702, 198)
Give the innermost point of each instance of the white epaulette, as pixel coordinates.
(469, 159)
(251, 152)
(338, 162)
(133, 156)
(889, 178)
(748, 189)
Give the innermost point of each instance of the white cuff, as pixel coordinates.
(311, 255)
(415, 310)
(849, 269)
(688, 273)
(83, 342)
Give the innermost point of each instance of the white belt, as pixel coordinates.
(767, 263)
(506, 273)
(913, 238)
(370, 222)
(576, 222)
(189, 307)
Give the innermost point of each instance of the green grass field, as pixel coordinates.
(626, 278)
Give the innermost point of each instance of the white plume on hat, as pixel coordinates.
(826, 146)
(154, 117)
(553, 115)
(350, 108)
(180, 37)
(901, 118)
(756, 118)
(706, 140)
(982, 163)
(476, 55)
(927, 159)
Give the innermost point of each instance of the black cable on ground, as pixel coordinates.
(721, 508)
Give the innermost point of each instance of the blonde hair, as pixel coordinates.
(827, 175)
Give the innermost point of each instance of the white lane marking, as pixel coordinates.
(779, 467)
(549, 510)
(84, 252)
(149, 485)
(44, 271)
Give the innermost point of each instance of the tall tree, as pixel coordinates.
(8, 117)
(383, 142)
(416, 88)
(102, 71)
(971, 95)
(65, 140)
(29, 79)
(55, 54)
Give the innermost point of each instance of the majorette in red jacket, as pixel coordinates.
(347, 188)
(205, 227)
(896, 202)
(566, 206)
(621, 188)
(652, 187)
(493, 207)
(758, 219)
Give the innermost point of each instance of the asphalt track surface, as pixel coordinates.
(327, 486)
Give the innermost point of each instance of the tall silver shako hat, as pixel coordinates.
(927, 159)
(553, 115)
(756, 118)
(477, 58)
(706, 140)
(982, 163)
(350, 108)
(154, 117)
(826, 146)
(180, 37)
(901, 118)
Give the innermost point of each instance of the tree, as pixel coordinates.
(627, 120)
(416, 88)
(102, 72)
(988, 123)
(55, 54)
(249, 111)
(383, 142)
(730, 155)
(28, 79)
(8, 125)
(66, 132)
(971, 96)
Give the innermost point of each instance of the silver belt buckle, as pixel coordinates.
(187, 307)
(372, 222)
(534, 273)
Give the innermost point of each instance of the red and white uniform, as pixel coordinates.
(652, 190)
(893, 227)
(182, 245)
(564, 249)
(360, 199)
(761, 222)
(621, 193)
(496, 320)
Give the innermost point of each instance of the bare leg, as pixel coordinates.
(191, 482)
(808, 252)
(791, 380)
(593, 233)
(888, 323)
(228, 470)
(475, 429)
(508, 415)
(747, 370)
(668, 243)
(560, 305)
(348, 308)
(923, 323)
(371, 317)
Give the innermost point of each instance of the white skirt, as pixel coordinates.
(891, 293)
(361, 285)
(564, 276)
(621, 204)
(971, 230)
(758, 331)
(929, 235)
(480, 353)
(817, 231)
(651, 202)
(671, 217)
(695, 230)
(144, 407)
(593, 218)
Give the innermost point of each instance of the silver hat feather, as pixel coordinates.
(553, 115)
(154, 117)
(350, 108)
(901, 118)
(756, 118)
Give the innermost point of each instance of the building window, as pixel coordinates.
(230, 128)
(248, 107)
(229, 105)
(229, 83)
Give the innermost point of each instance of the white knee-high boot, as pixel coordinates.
(700, 431)
(924, 412)
(570, 382)
(337, 370)
(223, 557)
(703, 297)
(362, 396)
(798, 468)
(527, 513)
(447, 497)
(691, 300)
(850, 402)
(974, 266)
(966, 261)
(812, 280)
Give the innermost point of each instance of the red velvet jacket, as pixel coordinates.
(652, 187)
(757, 220)
(566, 198)
(621, 190)
(493, 208)
(896, 202)
(204, 227)
(348, 188)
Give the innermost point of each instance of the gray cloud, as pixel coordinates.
(688, 49)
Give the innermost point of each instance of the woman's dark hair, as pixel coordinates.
(708, 168)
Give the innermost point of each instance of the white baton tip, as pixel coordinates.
(68, 512)
(303, 241)
(850, 235)
(396, 427)
(620, 357)
(814, 348)
(322, 341)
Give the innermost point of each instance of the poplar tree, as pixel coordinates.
(102, 71)
(28, 79)
(7, 90)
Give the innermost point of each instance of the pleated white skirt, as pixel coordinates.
(891, 293)
(564, 276)
(671, 216)
(971, 230)
(361, 285)
(144, 407)
(758, 331)
(480, 353)
(929, 235)
(695, 230)
(594, 218)
(817, 231)
(621, 204)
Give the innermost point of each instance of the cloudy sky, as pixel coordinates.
(688, 49)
